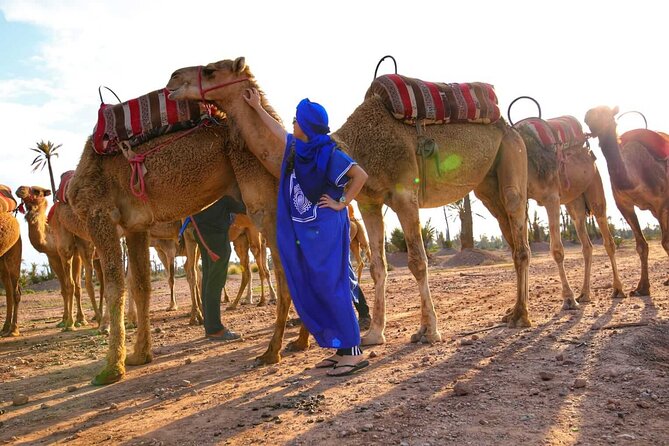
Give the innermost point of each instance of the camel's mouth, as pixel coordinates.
(174, 93)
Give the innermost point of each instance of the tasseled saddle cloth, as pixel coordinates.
(7, 202)
(657, 143)
(416, 101)
(556, 133)
(141, 119)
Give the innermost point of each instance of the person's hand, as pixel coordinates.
(252, 97)
(328, 202)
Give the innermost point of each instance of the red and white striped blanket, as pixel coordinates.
(563, 132)
(61, 193)
(7, 201)
(657, 143)
(413, 100)
(140, 119)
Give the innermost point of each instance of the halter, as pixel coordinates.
(215, 87)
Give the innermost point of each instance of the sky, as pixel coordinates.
(569, 55)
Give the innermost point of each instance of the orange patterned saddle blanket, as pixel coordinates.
(7, 201)
(563, 132)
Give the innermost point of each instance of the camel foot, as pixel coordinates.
(104, 330)
(373, 338)
(666, 282)
(268, 358)
(172, 308)
(424, 337)
(130, 325)
(272, 301)
(138, 358)
(195, 320)
(261, 303)
(569, 304)
(69, 327)
(583, 299)
(296, 346)
(521, 321)
(231, 307)
(640, 292)
(81, 323)
(60, 324)
(10, 333)
(618, 294)
(107, 376)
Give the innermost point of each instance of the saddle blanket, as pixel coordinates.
(7, 201)
(565, 131)
(657, 143)
(61, 193)
(140, 119)
(413, 100)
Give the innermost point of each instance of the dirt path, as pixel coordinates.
(570, 379)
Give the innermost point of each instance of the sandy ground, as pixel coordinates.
(572, 378)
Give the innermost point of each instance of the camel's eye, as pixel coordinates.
(208, 72)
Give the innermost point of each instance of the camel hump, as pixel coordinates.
(414, 100)
(564, 131)
(657, 143)
(141, 119)
(7, 201)
(65, 178)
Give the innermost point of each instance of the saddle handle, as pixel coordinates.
(645, 122)
(508, 112)
(382, 59)
(112, 92)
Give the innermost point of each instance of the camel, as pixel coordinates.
(567, 174)
(245, 236)
(359, 242)
(64, 241)
(638, 178)
(185, 172)
(490, 159)
(10, 261)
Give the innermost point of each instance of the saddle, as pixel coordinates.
(416, 101)
(657, 143)
(61, 193)
(7, 201)
(141, 119)
(555, 133)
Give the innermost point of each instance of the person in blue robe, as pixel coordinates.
(313, 230)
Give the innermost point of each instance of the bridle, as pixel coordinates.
(215, 87)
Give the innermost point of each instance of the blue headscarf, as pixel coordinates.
(312, 157)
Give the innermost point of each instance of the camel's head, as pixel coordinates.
(33, 198)
(214, 82)
(601, 120)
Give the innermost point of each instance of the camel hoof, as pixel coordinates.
(295, 346)
(272, 301)
(103, 331)
(107, 377)
(69, 328)
(172, 308)
(373, 339)
(261, 303)
(138, 359)
(231, 307)
(640, 293)
(10, 333)
(268, 358)
(60, 324)
(81, 323)
(618, 294)
(130, 325)
(569, 305)
(519, 322)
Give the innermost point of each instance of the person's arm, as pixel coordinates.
(271, 163)
(357, 178)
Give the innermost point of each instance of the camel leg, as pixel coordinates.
(301, 343)
(578, 212)
(371, 215)
(57, 267)
(103, 325)
(139, 264)
(86, 254)
(68, 287)
(552, 206)
(643, 287)
(168, 263)
(10, 271)
(664, 227)
(241, 246)
(103, 233)
(267, 272)
(359, 265)
(131, 316)
(192, 255)
(76, 276)
(505, 194)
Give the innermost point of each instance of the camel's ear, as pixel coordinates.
(239, 64)
(47, 192)
(615, 110)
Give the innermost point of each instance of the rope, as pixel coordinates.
(212, 255)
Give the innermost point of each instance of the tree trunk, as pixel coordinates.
(448, 229)
(467, 231)
(53, 184)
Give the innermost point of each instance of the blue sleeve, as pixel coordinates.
(339, 164)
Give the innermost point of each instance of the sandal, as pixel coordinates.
(327, 363)
(351, 368)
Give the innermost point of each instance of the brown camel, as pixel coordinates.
(490, 159)
(245, 236)
(10, 261)
(185, 172)
(638, 178)
(359, 242)
(562, 170)
(63, 239)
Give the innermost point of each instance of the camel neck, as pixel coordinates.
(614, 161)
(38, 231)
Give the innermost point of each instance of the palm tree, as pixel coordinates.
(46, 150)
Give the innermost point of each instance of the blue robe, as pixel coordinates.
(314, 249)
